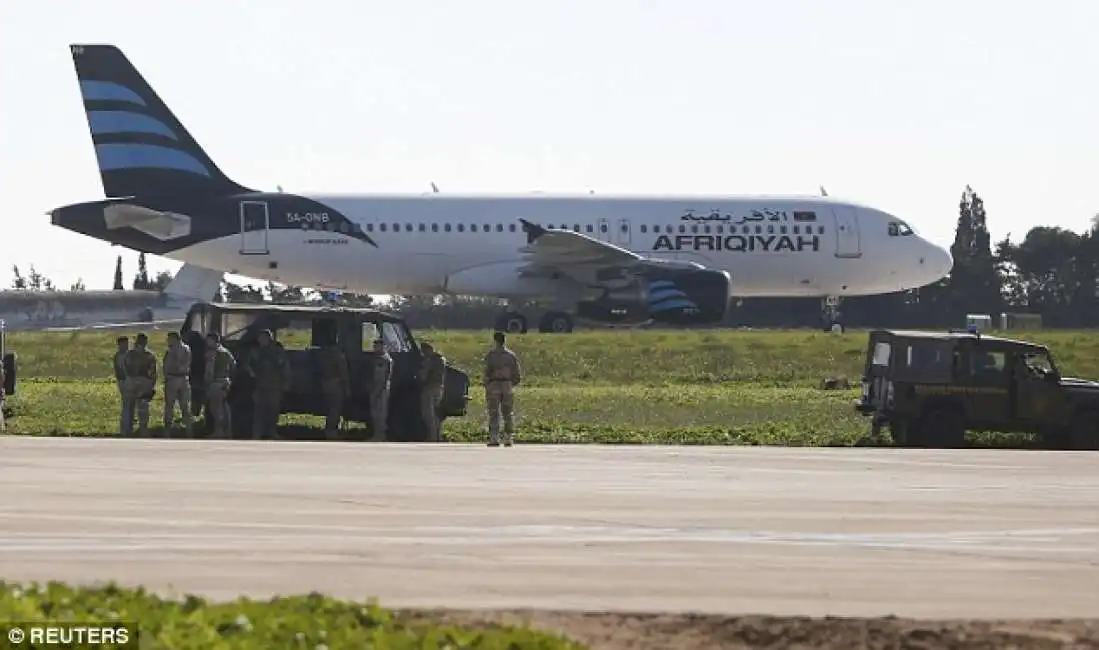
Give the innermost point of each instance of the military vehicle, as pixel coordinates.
(7, 357)
(930, 388)
(352, 329)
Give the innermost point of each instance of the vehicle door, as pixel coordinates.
(876, 373)
(1038, 397)
(985, 382)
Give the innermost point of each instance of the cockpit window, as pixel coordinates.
(899, 229)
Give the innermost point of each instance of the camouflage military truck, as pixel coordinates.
(352, 329)
(930, 388)
(7, 357)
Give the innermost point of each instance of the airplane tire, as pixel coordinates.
(512, 323)
(555, 322)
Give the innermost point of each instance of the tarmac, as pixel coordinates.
(784, 531)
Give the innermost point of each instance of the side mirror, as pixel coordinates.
(1053, 377)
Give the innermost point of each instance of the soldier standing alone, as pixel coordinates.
(140, 367)
(382, 373)
(177, 384)
(220, 367)
(433, 372)
(335, 385)
(502, 374)
(122, 346)
(270, 368)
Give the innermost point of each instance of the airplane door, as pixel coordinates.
(254, 222)
(624, 233)
(604, 233)
(848, 242)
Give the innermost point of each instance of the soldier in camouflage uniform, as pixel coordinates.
(177, 384)
(502, 374)
(122, 346)
(3, 381)
(381, 373)
(270, 367)
(432, 373)
(335, 385)
(220, 366)
(139, 365)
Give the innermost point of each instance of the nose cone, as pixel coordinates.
(937, 262)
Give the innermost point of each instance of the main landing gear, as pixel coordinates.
(552, 322)
(830, 316)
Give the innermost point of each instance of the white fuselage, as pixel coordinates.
(472, 245)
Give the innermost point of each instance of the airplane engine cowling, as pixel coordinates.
(676, 296)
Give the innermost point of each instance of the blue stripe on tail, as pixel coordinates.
(133, 156)
(94, 91)
(107, 122)
(665, 296)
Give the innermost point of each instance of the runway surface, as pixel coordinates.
(965, 533)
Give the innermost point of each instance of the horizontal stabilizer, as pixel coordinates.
(161, 225)
(194, 283)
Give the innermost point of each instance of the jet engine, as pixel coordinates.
(676, 296)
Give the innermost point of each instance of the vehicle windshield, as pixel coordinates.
(394, 336)
(1039, 363)
(900, 229)
(234, 324)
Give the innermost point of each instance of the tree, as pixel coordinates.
(285, 294)
(141, 279)
(19, 282)
(78, 285)
(118, 286)
(38, 282)
(161, 281)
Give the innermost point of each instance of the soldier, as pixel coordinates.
(335, 385)
(3, 382)
(433, 372)
(502, 374)
(122, 346)
(139, 365)
(177, 384)
(270, 368)
(220, 366)
(382, 372)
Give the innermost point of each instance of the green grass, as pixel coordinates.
(700, 387)
(308, 622)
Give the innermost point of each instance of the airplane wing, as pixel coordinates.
(553, 250)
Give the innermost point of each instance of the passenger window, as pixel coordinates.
(408, 227)
(461, 227)
(985, 364)
(446, 227)
(589, 228)
(499, 227)
(423, 227)
(370, 332)
(434, 227)
(396, 227)
(576, 227)
(511, 227)
(381, 227)
(881, 354)
(694, 229)
(683, 229)
(644, 229)
(602, 227)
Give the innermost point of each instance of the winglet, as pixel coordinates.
(534, 231)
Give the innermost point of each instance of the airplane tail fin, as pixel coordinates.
(194, 284)
(141, 148)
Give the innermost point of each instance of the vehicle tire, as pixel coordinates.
(901, 432)
(943, 429)
(512, 323)
(1084, 433)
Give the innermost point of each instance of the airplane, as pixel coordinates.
(66, 311)
(610, 259)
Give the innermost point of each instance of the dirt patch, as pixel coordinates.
(623, 631)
